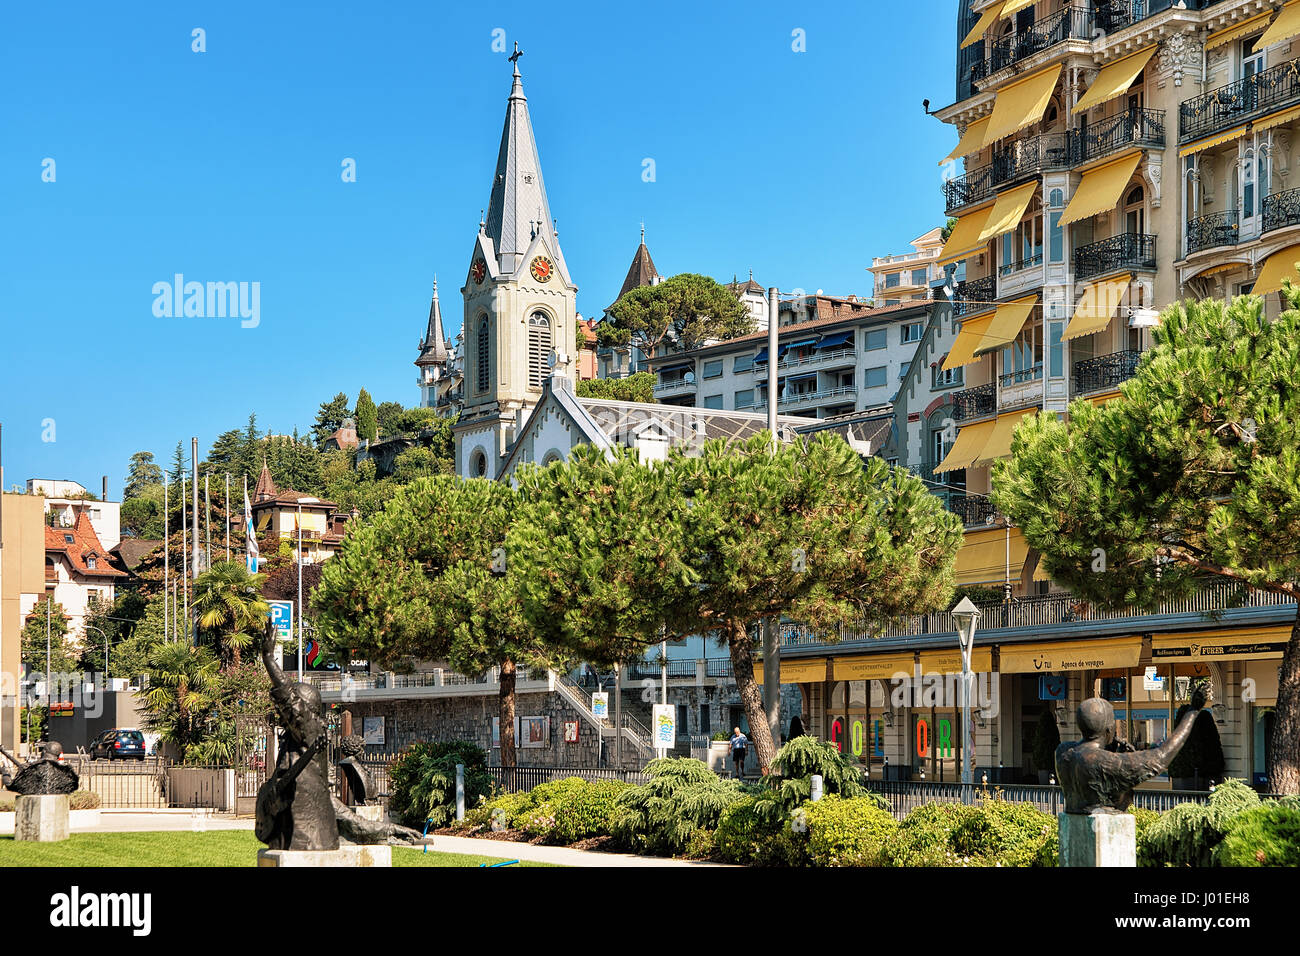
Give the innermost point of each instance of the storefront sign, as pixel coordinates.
(797, 671)
(881, 667)
(1221, 645)
(858, 736)
(1052, 656)
(938, 734)
(949, 662)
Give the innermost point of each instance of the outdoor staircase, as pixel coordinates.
(633, 731)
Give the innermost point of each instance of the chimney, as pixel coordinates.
(104, 496)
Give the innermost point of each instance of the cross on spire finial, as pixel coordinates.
(514, 57)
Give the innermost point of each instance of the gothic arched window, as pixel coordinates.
(481, 379)
(539, 346)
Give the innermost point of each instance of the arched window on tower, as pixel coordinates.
(539, 346)
(481, 373)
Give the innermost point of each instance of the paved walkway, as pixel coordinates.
(132, 821)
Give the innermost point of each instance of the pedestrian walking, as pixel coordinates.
(739, 748)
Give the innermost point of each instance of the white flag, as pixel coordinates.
(250, 532)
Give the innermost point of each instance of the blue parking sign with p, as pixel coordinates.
(282, 619)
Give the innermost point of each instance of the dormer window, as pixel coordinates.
(90, 563)
(69, 539)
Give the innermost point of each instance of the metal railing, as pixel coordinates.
(975, 185)
(816, 358)
(517, 779)
(1023, 158)
(1235, 103)
(1133, 127)
(818, 395)
(972, 509)
(1071, 23)
(906, 795)
(1020, 265)
(717, 667)
(974, 295)
(1105, 372)
(1114, 15)
(1216, 229)
(1128, 250)
(674, 385)
(974, 402)
(1281, 209)
(1019, 377)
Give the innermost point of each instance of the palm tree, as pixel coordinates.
(229, 605)
(182, 692)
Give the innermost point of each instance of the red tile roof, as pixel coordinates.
(84, 544)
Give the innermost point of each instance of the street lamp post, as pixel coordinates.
(966, 615)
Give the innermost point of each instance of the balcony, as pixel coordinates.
(828, 359)
(1128, 250)
(805, 398)
(1234, 104)
(1282, 210)
(974, 295)
(972, 509)
(1115, 15)
(1135, 127)
(1020, 266)
(1031, 156)
(677, 386)
(1216, 229)
(1071, 23)
(977, 402)
(1105, 372)
(967, 190)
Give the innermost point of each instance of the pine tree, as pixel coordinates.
(329, 418)
(141, 473)
(178, 464)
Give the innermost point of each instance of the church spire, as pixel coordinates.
(518, 204)
(433, 348)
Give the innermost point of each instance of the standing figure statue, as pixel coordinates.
(360, 784)
(43, 776)
(294, 806)
(1098, 774)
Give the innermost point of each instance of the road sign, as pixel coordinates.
(282, 618)
(600, 705)
(664, 722)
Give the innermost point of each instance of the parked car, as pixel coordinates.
(117, 744)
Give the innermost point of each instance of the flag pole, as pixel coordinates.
(166, 564)
(194, 564)
(207, 522)
(185, 568)
(300, 614)
(227, 516)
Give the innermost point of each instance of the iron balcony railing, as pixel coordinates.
(1134, 127)
(1216, 229)
(1235, 103)
(976, 185)
(1023, 158)
(1128, 250)
(974, 295)
(1070, 23)
(673, 385)
(1282, 209)
(1020, 265)
(1114, 15)
(1019, 377)
(1105, 372)
(972, 509)
(974, 402)
(818, 395)
(1045, 611)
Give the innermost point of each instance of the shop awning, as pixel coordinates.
(986, 20)
(1280, 265)
(835, 338)
(1021, 103)
(1055, 656)
(797, 672)
(876, 667)
(964, 238)
(970, 442)
(999, 443)
(1096, 307)
(967, 341)
(1114, 79)
(1198, 147)
(971, 141)
(802, 377)
(949, 662)
(1221, 644)
(1101, 188)
(762, 355)
(1015, 6)
(1008, 209)
(983, 557)
(1007, 322)
(1284, 27)
(1236, 31)
(787, 346)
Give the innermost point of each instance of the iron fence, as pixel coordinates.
(1133, 127)
(517, 779)
(974, 402)
(1281, 209)
(904, 796)
(1071, 23)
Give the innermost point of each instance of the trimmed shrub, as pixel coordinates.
(924, 838)
(588, 812)
(747, 834)
(1188, 834)
(851, 832)
(1143, 820)
(422, 781)
(682, 797)
(539, 821)
(1267, 835)
(1001, 833)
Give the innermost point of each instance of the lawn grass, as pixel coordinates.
(185, 848)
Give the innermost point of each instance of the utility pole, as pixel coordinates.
(198, 553)
(300, 614)
(772, 625)
(184, 623)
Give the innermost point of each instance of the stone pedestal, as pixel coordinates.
(1098, 839)
(373, 812)
(42, 819)
(346, 855)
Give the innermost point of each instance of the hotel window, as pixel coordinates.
(947, 378)
(745, 399)
(912, 331)
(893, 279)
(712, 401)
(743, 363)
(875, 339)
(938, 445)
(875, 377)
(1022, 360)
(1055, 234)
(919, 277)
(539, 347)
(481, 349)
(712, 369)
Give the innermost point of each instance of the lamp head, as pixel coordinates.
(965, 615)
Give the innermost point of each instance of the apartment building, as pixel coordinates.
(908, 276)
(1073, 235)
(66, 500)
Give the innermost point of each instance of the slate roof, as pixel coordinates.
(131, 551)
(641, 272)
(434, 347)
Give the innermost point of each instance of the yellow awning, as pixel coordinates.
(1221, 644)
(967, 341)
(1103, 398)
(1021, 103)
(1284, 27)
(1015, 6)
(1280, 265)
(878, 667)
(797, 672)
(970, 442)
(986, 20)
(971, 140)
(1052, 656)
(1200, 147)
(1096, 307)
(999, 443)
(990, 556)
(1277, 119)
(1007, 322)
(1114, 79)
(1008, 209)
(1101, 188)
(1236, 31)
(949, 662)
(964, 238)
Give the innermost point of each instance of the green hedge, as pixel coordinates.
(924, 838)
(1188, 834)
(748, 835)
(1000, 833)
(1267, 835)
(852, 832)
(422, 782)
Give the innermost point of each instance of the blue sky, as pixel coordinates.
(225, 166)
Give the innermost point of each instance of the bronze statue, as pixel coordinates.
(360, 784)
(43, 776)
(294, 807)
(1098, 773)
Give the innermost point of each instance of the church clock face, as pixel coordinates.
(542, 269)
(478, 270)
